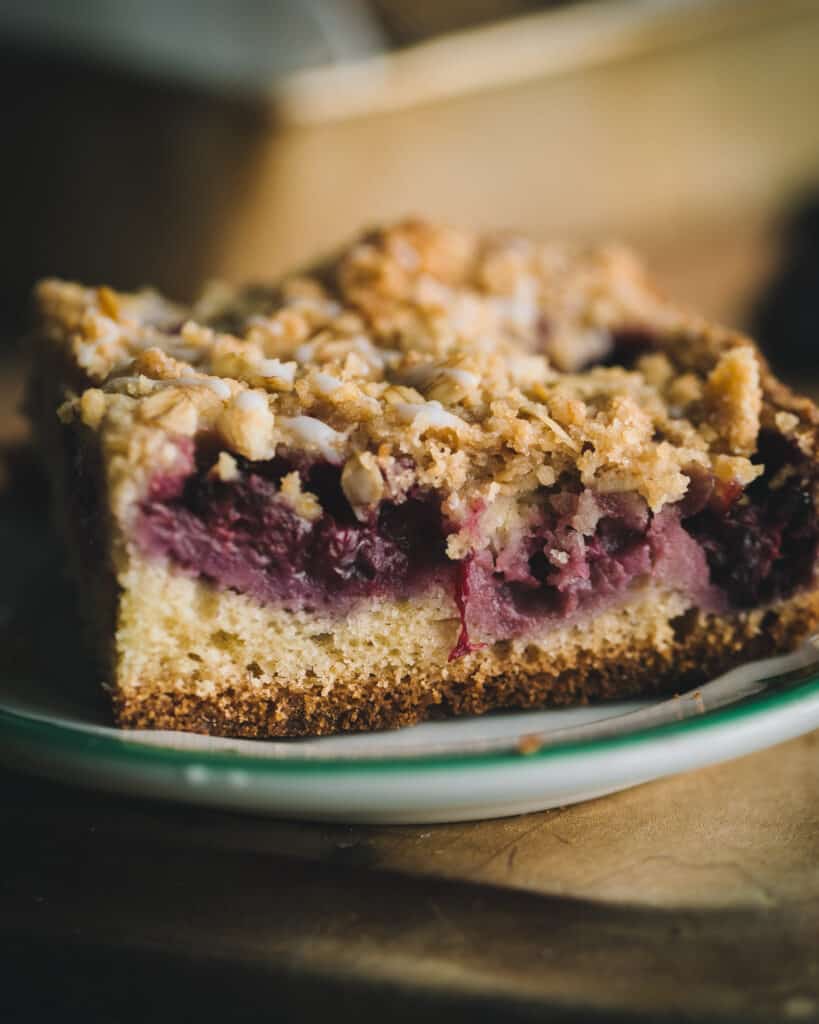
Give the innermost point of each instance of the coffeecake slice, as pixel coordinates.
(443, 473)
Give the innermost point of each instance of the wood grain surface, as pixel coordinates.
(696, 897)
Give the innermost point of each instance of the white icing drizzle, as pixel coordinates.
(423, 374)
(359, 344)
(464, 377)
(109, 333)
(304, 353)
(111, 330)
(184, 353)
(214, 384)
(406, 255)
(367, 350)
(219, 387)
(276, 369)
(430, 292)
(268, 324)
(466, 313)
(251, 401)
(86, 353)
(424, 415)
(309, 431)
(372, 404)
(521, 309)
(326, 383)
(524, 371)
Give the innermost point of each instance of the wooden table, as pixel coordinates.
(694, 898)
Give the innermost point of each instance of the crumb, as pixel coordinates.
(531, 744)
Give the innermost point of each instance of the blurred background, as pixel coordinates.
(171, 141)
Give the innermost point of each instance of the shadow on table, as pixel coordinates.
(110, 923)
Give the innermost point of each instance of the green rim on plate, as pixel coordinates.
(75, 739)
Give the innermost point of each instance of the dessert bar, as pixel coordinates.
(443, 473)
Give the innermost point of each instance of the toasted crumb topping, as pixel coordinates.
(734, 395)
(485, 367)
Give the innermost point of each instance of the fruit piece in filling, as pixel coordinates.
(286, 535)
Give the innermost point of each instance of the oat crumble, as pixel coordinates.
(461, 352)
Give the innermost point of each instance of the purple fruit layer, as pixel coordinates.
(723, 547)
(245, 536)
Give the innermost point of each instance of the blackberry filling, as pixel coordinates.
(242, 535)
(627, 345)
(721, 546)
(761, 544)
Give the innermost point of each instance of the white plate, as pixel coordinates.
(485, 767)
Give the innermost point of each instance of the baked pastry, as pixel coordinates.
(443, 473)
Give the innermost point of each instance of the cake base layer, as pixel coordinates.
(194, 658)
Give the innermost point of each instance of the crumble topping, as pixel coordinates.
(225, 468)
(734, 395)
(484, 367)
(362, 483)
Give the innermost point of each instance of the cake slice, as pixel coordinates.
(444, 473)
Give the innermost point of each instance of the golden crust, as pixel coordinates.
(701, 646)
(198, 636)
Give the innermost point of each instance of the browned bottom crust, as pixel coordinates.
(703, 646)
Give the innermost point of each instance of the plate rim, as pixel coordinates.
(73, 738)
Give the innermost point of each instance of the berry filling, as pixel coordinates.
(761, 544)
(245, 535)
(572, 553)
